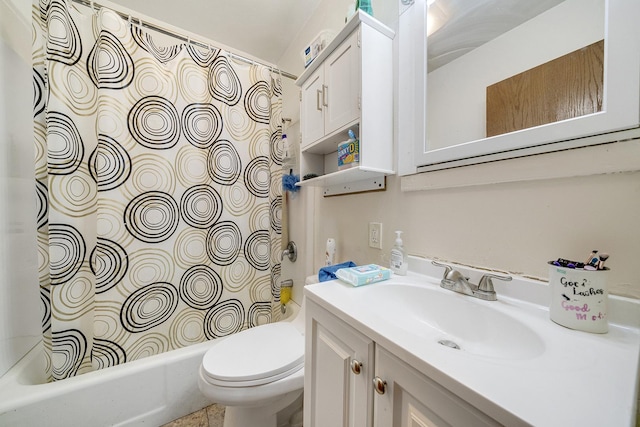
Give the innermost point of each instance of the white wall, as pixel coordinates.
(19, 293)
(514, 227)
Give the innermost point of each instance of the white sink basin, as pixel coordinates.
(475, 326)
(513, 360)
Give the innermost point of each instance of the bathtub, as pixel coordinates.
(149, 392)
(146, 392)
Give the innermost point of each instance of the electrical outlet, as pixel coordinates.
(375, 235)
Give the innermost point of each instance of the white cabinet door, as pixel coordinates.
(338, 371)
(410, 399)
(312, 109)
(342, 84)
(330, 96)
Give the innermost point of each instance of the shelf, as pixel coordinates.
(353, 180)
(329, 143)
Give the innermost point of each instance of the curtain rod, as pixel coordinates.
(92, 4)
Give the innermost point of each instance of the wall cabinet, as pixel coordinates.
(351, 381)
(349, 86)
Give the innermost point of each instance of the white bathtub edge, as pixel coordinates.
(150, 391)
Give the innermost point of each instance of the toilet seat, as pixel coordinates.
(255, 356)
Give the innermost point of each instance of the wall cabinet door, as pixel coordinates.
(338, 372)
(411, 399)
(342, 83)
(312, 108)
(330, 96)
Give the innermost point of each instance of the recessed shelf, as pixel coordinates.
(329, 143)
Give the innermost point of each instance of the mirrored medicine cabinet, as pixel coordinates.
(484, 80)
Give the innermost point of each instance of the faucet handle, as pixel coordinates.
(450, 274)
(486, 285)
(290, 252)
(447, 268)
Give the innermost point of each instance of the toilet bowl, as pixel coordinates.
(258, 374)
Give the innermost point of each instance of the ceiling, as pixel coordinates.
(265, 28)
(261, 28)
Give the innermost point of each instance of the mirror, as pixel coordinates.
(495, 79)
(457, 27)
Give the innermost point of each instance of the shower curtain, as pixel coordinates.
(157, 178)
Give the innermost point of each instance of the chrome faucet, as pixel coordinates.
(455, 281)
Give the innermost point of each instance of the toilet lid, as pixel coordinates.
(255, 356)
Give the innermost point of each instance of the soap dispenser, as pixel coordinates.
(399, 262)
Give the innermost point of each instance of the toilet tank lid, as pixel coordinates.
(261, 352)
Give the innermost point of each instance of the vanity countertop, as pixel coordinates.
(514, 364)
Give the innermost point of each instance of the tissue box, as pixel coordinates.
(364, 274)
(313, 49)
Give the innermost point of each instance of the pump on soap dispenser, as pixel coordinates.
(399, 262)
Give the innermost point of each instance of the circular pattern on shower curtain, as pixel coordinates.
(224, 319)
(154, 123)
(65, 146)
(158, 218)
(149, 306)
(152, 217)
(109, 64)
(109, 263)
(201, 124)
(201, 206)
(109, 164)
(200, 287)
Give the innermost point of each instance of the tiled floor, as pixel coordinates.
(211, 416)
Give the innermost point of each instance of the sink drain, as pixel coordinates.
(450, 344)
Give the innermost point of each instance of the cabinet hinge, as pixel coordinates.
(358, 42)
(300, 95)
(359, 102)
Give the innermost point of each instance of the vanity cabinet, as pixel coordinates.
(405, 397)
(349, 86)
(338, 371)
(351, 381)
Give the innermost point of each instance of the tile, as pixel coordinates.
(215, 413)
(196, 419)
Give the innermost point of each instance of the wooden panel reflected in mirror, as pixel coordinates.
(567, 87)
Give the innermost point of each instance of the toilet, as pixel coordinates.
(258, 374)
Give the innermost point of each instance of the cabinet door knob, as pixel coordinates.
(319, 97)
(380, 385)
(356, 367)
